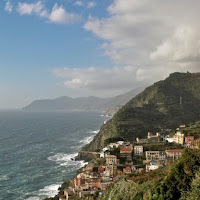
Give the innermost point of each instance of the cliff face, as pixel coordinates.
(166, 104)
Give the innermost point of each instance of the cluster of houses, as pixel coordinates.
(95, 178)
(180, 138)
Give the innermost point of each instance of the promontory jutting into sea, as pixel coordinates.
(149, 149)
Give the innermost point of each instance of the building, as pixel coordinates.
(105, 149)
(174, 153)
(68, 194)
(152, 155)
(142, 141)
(80, 179)
(110, 170)
(126, 152)
(150, 138)
(182, 126)
(168, 139)
(114, 145)
(162, 157)
(152, 165)
(158, 156)
(154, 138)
(93, 183)
(111, 160)
(102, 154)
(179, 137)
(189, 141)
(127, 170)
(138, 150)
(197, 143)
(101, 169)
(120, 142)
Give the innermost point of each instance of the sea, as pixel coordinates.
(37, 150)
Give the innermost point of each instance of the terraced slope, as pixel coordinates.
(165, 104)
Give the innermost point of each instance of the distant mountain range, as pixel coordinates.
(83, 103)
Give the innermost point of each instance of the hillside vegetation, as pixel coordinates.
(166, 104)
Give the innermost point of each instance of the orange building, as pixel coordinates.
(127, 170)
(174, 153)
(189, 141)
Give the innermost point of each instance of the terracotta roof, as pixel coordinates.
(111, 156)
(127, 169)
(138, 146)
(126, 149)
(189, 137)
(175, 150)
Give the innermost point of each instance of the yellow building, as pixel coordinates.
(152, 155)
(179, 137)
(197, 143)
(111, 159)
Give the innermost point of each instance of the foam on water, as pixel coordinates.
(94, 132)
(49, 191)
(4, 178)
(67, 160)
(44, 144)
(62, 157)
(88, 139)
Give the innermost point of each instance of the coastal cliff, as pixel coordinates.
(165, 104)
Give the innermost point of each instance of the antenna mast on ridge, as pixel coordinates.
(181, 102)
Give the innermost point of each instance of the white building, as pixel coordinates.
(138, 150)
(120, 142)
(168, 139)
(152, 165)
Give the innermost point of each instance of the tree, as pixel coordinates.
(194, 193)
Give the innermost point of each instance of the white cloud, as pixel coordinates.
(135, 33)
(101, 79)
(78, 3)
(8, 7)
(32, 8)
(143, 39)
(183, 46)
(58, 14)
(91, 4)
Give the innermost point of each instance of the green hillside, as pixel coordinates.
(166, 104)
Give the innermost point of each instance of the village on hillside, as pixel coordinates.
(123, 158)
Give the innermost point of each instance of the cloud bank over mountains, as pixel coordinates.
(114, 78)
(144, 39)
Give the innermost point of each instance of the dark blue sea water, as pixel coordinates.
(36, 150)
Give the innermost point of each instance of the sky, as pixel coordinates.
(52, 48)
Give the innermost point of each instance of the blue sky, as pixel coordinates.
(31, 47)
(51, 48)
